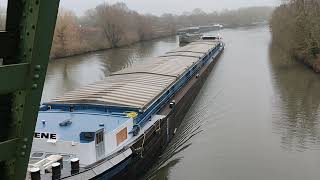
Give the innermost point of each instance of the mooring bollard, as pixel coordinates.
(56, 171)
(75, 166)
(35, 174)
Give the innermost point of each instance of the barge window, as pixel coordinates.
(209, 38)
(87, 136)
(99, 138)
(37, 154)
(71, 109)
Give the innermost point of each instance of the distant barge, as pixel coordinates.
(189, 38)
(117, 128)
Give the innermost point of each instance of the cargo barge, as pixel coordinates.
(117, 128)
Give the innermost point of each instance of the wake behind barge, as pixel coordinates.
(117, 128)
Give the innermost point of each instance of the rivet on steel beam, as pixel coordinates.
(24, 146)
(37, 2)
(36, 76)
(31, 10)
(33, 27)
(25, 139)
(37, 67)
(34, 86)
(23, 153)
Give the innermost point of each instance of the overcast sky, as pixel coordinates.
(159, 7)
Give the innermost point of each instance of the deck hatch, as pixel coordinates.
(136, 87)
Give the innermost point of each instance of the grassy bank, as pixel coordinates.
(295, 27)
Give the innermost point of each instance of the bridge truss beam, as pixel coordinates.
(24, 51)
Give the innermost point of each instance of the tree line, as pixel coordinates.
(114, 25)
(229, 18)
(106, 26)
(295, 27)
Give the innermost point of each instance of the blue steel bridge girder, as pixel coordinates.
(24, 49)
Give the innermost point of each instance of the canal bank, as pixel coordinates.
(253, 119)
(91, 50)
(295, 30)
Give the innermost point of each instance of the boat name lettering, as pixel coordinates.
(43, 135)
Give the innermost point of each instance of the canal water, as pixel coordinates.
(256, 117)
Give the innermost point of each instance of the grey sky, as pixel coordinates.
(158, 7)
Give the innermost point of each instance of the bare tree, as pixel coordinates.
(111, 19)
(144, 27)
(66, 37)
(169, 22)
